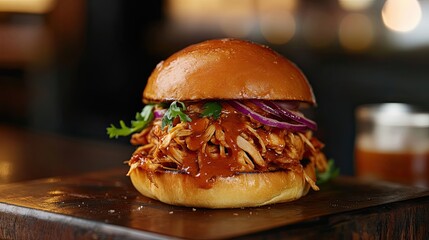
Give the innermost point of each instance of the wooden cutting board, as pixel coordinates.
(104, 205)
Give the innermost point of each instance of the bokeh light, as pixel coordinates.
(319, 29)
(401, 15)
(355, 5)
(276, 20)
(237, 17)
(356, 32)
(277, 27)
(273, 5)
(27, 6)
(191, 13)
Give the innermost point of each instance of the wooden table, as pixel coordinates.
(27, 155)
(102, 204)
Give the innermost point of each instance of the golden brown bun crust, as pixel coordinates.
(227, 69)
(243, 190)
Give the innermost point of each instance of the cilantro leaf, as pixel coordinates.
(175, 110)
(211, 109)
(143, 118)
(330, 173)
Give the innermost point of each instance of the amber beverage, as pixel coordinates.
(392, 144)
(402, 167)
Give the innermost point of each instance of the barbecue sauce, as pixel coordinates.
(204, 161)
(205, 167)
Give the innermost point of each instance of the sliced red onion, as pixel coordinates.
(295, 116)
(159, 113)
(267, 108)
(265, 120)
(278, 110)
(292, 105)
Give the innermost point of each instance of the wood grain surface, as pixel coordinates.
(104, 205)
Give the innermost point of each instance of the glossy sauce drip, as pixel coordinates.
(198, 127)
(190, 162)
(205, 167)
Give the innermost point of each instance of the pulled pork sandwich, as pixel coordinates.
(222, 128)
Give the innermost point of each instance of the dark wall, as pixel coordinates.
(114, 67)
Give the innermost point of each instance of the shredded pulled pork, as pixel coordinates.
(232, 144)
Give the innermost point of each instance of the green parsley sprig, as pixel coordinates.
(330, 173)
(176, 109)
(143, 118)
(211, 109)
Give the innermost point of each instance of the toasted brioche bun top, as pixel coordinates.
(227, 69)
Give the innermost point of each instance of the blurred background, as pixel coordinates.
(72, 67)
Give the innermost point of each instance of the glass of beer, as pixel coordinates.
(392, 143)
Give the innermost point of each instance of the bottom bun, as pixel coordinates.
(242, 190)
